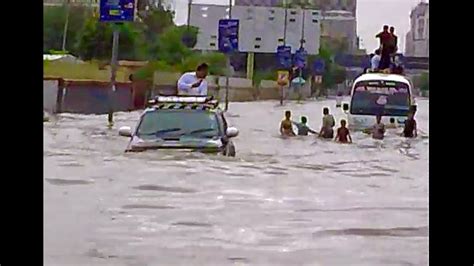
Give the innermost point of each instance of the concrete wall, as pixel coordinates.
(91, 97)
(50, 94)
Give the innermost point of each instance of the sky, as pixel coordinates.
(371, 16)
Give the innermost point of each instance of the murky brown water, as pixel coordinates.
(300, 201)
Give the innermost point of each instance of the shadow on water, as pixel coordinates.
(165, 189)
(66, 182)
(151, 207)
(394, 232)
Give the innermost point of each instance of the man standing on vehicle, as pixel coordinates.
(385, 40)
(194, 83)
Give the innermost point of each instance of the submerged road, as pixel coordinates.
(300, 201)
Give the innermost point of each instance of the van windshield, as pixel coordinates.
(380, 97)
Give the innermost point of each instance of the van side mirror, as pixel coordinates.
(232, 132)
(345, 107)
(125, 131)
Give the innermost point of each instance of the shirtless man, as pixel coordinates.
(378, 130)
(286, 126)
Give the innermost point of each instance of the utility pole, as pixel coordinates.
(190, 2)
(113, 74)
(285, 4)
(66, 25)
(228, 67)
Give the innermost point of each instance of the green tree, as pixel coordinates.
(155, 22)
(95, 41)
(54, 19)
(169, 46)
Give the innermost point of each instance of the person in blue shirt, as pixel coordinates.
(303, 128)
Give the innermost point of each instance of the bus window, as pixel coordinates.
(370, 98)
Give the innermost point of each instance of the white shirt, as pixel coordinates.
(374, 62)
(187, 80)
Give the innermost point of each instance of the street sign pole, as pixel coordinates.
(228, 66)
(115, 12)
(113, 74)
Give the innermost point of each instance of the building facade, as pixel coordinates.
(417, 42)
(261, 29)
(344, 5)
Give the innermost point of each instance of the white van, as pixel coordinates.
(389, 95)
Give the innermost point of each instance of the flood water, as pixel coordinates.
(299, 201)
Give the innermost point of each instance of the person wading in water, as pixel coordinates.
(286, 126)
(327, 130)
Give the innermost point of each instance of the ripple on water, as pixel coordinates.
(165, 189)
(65, 182)
(144, 206)
(192, 224)
(395, 232)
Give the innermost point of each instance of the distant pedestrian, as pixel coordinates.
(339, 97)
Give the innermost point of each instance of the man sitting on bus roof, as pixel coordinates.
(194, 83)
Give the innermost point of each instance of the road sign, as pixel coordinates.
(284, 56)
(301, 56)
(228, 35)
(319, 66)
(283, 77)
(117, 10)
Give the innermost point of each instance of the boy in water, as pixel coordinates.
(410, 131)
(392, 123)
(343, 135)
(286, 126)
(303, 129)
(378, 130)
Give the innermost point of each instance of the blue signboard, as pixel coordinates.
(301, 56)
(117, 10)
(284, 56)
(228, 35)
(319, 66)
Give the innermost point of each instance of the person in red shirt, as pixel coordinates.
(385, 46)
(343, 135)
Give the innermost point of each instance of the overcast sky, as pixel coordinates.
(371, 15)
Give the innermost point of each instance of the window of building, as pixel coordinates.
(292, 20)
(257, 46)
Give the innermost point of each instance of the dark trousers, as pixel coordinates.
(385, 61)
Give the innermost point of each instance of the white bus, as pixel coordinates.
(372, 94)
